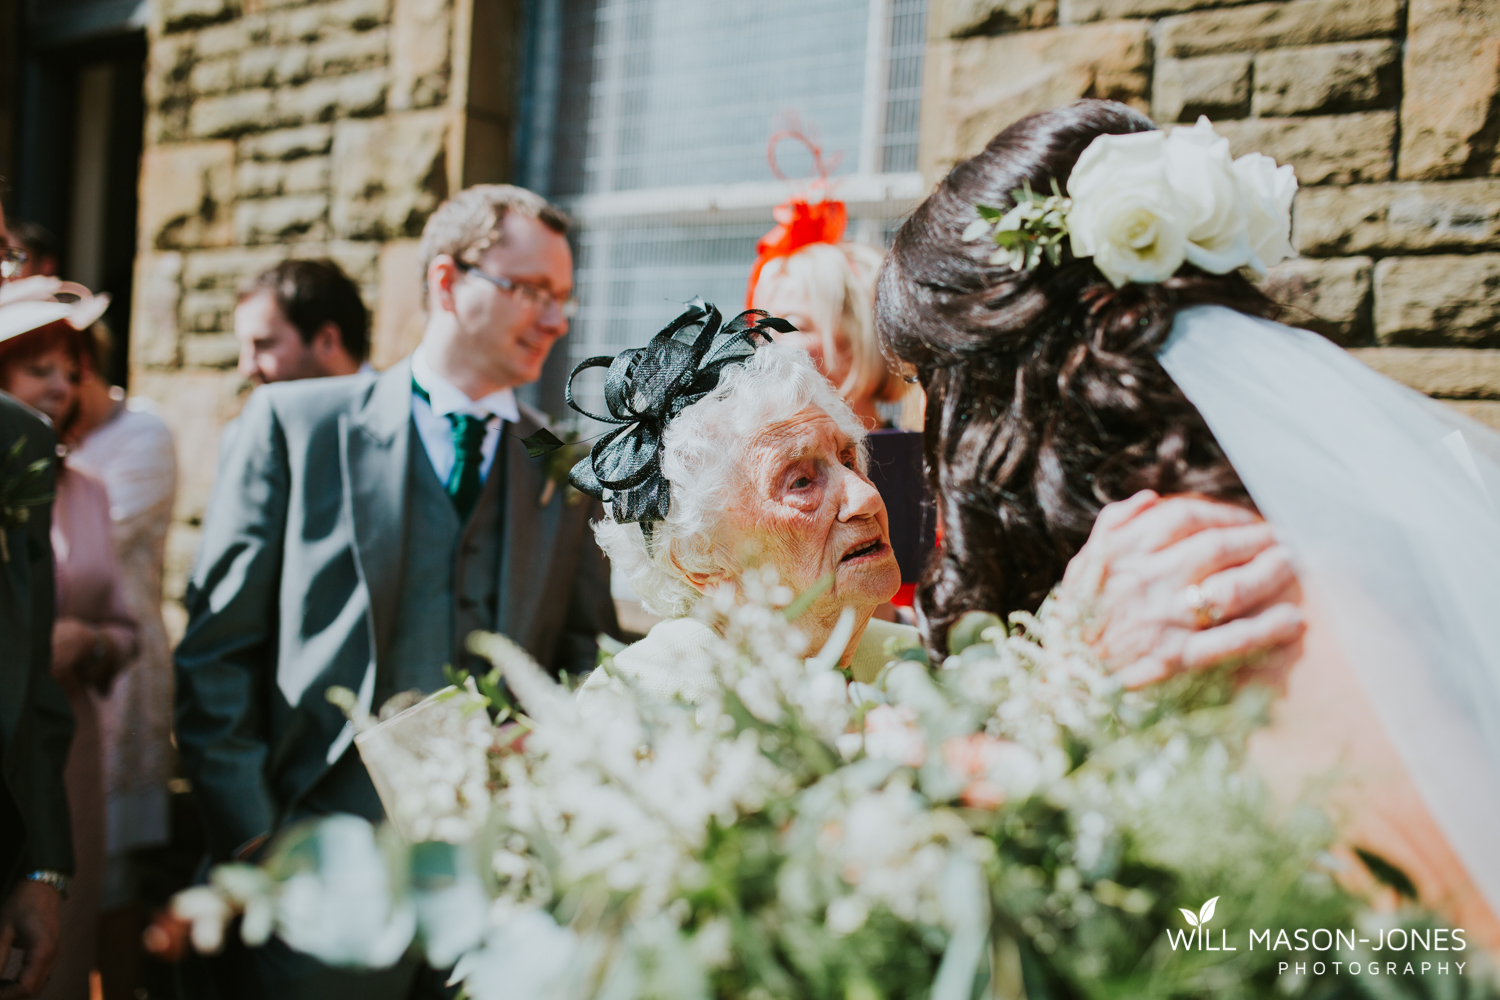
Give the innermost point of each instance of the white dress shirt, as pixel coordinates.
(436, 431)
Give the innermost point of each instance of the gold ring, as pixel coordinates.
(1205, 612)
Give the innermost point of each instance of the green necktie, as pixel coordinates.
(468, 431)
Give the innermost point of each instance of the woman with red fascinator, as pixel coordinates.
(808, 273)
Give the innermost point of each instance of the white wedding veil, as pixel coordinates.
(1388, 500)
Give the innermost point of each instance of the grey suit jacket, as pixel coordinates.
(297, 580)
(36, 724)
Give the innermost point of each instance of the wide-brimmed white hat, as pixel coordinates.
(31, 303)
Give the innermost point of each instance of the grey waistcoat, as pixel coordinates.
(450, 582)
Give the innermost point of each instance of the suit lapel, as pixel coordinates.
(377, 446)
(530, 533)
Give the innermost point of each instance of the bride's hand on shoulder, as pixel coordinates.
(1182, 583)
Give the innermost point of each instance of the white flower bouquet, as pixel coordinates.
(1011, 824)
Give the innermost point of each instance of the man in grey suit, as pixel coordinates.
(362, 526)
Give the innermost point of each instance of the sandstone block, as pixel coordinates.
(288, 143)
(307, 24)
(209, 311)
(963, 18)
(419, 53)
(272, 66)
(223, 270)
(232, 114)
(182, 15)
(355, 95)
(153, 310)
(1438, 300)
(286, 219)
(397, 327)
(185, 195)
(211, 350)
(350, 52)
(1276, 25)
(1331, 297)
(1081, 11)
(168, 123)
(975, 87)
(1484, 411)
(213, 76)
(1333, 149)
(388, 174)
(1398, 218)
(268, 179)
(1217, 86)
(1451, 80)
(1449, 372)
(169, 66)
(251, 31)
(1327, 79)
(360, 260)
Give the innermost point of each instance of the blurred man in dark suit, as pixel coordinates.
(36, 849)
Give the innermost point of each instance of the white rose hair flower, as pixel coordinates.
(1142, 204)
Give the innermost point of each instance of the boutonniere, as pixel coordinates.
(559, 455)
(20, 490)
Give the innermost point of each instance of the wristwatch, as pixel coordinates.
(56, 880)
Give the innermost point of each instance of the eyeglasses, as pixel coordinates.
(531, 294)
(11, 259)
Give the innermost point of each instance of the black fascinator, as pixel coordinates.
(645, 389)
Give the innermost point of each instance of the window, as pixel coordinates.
(648, 119)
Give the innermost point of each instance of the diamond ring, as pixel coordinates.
(1205, 612)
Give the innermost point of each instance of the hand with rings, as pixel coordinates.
(1182, 583)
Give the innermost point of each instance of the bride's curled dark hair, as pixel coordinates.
(1045, 400)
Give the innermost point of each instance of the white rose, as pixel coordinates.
(1268, 191)
(1125, 214)
(1200, 173)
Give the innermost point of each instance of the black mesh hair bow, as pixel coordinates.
(645, 389)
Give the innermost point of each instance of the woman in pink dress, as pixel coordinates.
(94, 635)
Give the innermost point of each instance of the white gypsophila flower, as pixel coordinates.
(892, 733)
(1201, 174)
(207, 912)
(450, 919)
(526, 955)
(622, 786)
(1267, 191)
(431, 766)
(1125, 214)
(345, 911)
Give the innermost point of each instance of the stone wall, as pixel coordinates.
(1389, 110)
(280, 128)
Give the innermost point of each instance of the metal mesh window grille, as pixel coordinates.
(648, 121)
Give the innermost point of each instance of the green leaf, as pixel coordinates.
(969, 628)
(1387, 873)
(540, 443)
(805, 599)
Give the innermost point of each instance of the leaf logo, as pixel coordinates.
(1203, 916)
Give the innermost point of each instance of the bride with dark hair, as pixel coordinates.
(1075, 302)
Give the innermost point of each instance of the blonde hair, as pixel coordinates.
(469, 222)
(840, 281)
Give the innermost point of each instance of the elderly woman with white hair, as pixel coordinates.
(733, 451)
